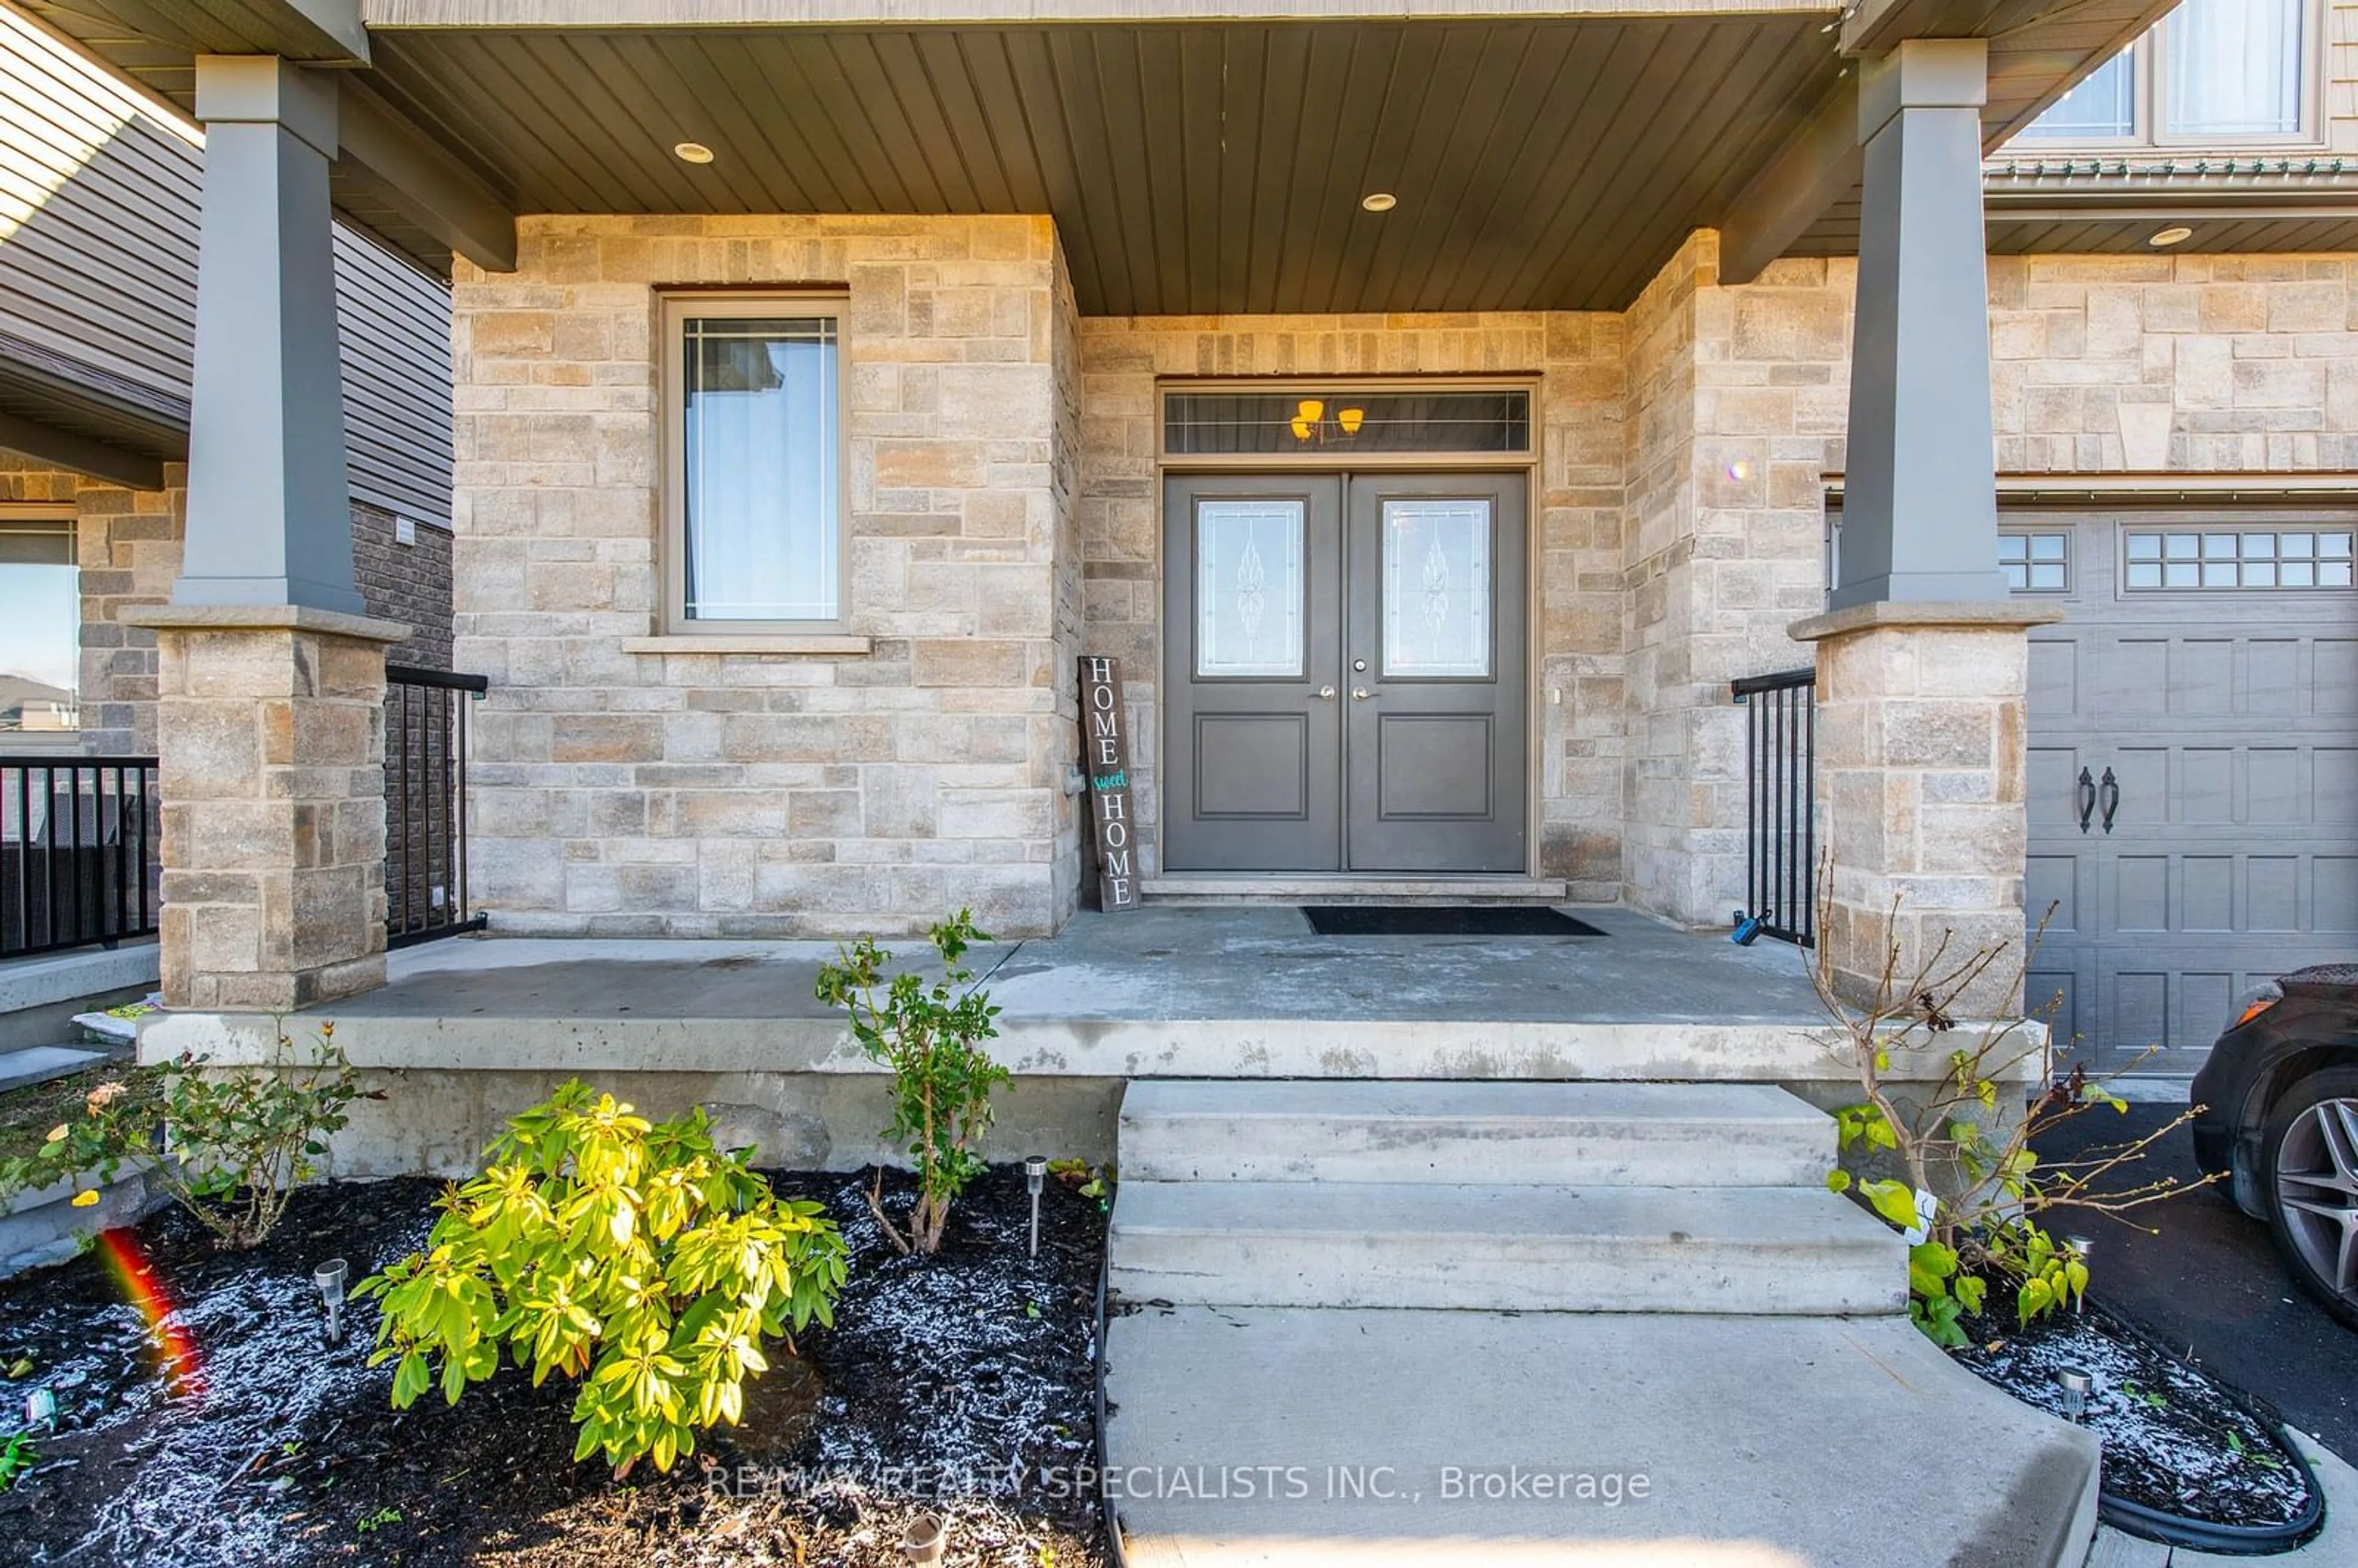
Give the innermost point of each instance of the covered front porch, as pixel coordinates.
(469, 1031)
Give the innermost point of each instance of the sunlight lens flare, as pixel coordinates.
(176, 1351)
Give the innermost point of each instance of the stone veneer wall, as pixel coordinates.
(1738, 399)
(696, 793)
(1576, 522)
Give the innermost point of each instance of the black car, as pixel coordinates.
(2278, 1115)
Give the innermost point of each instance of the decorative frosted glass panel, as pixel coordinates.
(2234, 68)
(1249, 587)
(763, 518)
(1437, 588)
(2102, 108)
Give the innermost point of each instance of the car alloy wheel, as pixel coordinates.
(2316, 1192)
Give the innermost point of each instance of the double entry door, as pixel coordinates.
(1344, 659)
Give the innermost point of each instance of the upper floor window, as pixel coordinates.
(754, 498)
(2216, 72)
(40, 629)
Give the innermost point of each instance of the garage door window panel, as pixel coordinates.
(2298, 559)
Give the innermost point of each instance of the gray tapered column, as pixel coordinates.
(1922, 659)
(269, 516)
(1919, 503)
(270, 683)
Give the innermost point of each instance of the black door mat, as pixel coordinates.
(1444, 920)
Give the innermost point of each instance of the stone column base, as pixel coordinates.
(1920, 755)
(270, 729)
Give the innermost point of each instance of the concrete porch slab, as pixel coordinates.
(1161, 992)
(1306, 1436)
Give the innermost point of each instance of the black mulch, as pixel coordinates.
(961, 1383)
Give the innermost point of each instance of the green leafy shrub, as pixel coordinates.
(931, 1037)
(239, 1140)
(633, 1255)
(1972, 1195)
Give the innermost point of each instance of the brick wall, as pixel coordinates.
(410, 583)
(769, 793)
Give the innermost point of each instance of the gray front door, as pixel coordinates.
(1344, 659)
(2206, 685)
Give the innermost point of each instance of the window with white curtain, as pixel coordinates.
(2215, 73)
(756, 504)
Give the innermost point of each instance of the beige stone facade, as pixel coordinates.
(1004, 490)
(645, 789)
(272, 733)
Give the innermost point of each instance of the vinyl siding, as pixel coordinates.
(393, 324)
(99, 193)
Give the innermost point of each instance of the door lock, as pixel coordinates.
(1359, 667)
(1361, 694)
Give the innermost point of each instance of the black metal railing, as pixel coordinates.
(79, 838)
(426, 804)
(1781, 854)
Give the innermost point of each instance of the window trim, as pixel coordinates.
(2149, 67)
(671, 447)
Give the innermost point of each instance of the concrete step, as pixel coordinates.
(1485, 1133)
(1800, 1250)
(1260, 1437)
(39, 1064)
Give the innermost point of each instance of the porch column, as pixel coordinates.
(1920, 487)
(1922, 658)
(270, 714)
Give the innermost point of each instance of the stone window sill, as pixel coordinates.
(804, 644)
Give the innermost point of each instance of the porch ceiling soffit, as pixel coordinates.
(1548, 160)
(411, 191)
(1805, 199)
(58, 409)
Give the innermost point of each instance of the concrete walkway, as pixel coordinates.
(1305, 1436)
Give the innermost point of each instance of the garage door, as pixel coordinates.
(2194, 767)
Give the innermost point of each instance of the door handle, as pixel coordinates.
(2112, 794)
(1361, 694)
(1324, 694)
(2087, 798)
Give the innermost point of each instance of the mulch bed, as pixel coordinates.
(2177, 1440)
(961, 1384)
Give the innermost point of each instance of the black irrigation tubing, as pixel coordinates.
(2201, 1535)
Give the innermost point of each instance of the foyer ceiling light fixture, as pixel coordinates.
(1309, 421)
(692, 152)
(1379, 201)
(2176, 234)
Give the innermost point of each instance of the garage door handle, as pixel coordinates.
(2087, 797)
(2112, 792)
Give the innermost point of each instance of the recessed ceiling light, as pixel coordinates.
(1379, 201)
(2176, 234)
(692, 152)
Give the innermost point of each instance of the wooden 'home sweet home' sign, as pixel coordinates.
(1105, 758)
